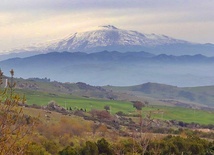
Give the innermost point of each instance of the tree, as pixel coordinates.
(138, 105)
(50, 146)
(69, 150)
(34, 149)
(90, 148)
(101, 114)
(104, 147)
(14, 125)
(107, 108)
(144, 139)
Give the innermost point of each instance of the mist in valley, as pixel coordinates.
(119, 73)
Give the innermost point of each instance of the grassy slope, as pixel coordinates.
(186, 115)
(202, 96)
(41, 98)
(61, 94)
(160, 112)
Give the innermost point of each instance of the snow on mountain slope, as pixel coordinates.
(110, 36)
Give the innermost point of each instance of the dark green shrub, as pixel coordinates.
(90, 148)
(69, 150)
(104, 147)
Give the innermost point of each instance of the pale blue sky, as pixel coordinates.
(27, 22)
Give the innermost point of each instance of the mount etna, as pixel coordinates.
(111, 38)
(112, 56)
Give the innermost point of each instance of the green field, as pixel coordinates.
(160, 112)
(185, 115)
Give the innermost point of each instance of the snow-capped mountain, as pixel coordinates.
(111, 38)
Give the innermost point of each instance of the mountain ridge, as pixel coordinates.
(118, 56)
(115, 68)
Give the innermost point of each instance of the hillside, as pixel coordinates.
(154, 93)
(39, 94)
(79, 89)
(56, 131)
(179, 96)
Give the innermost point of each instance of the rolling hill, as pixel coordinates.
(179, 96)
(154, 93)
(161, 98)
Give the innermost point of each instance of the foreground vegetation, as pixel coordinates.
(167, 145)
(67, 135)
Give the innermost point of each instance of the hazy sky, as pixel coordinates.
(26, 22)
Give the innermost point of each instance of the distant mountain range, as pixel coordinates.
(115, 68)
(103, 56)
(114, 39)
